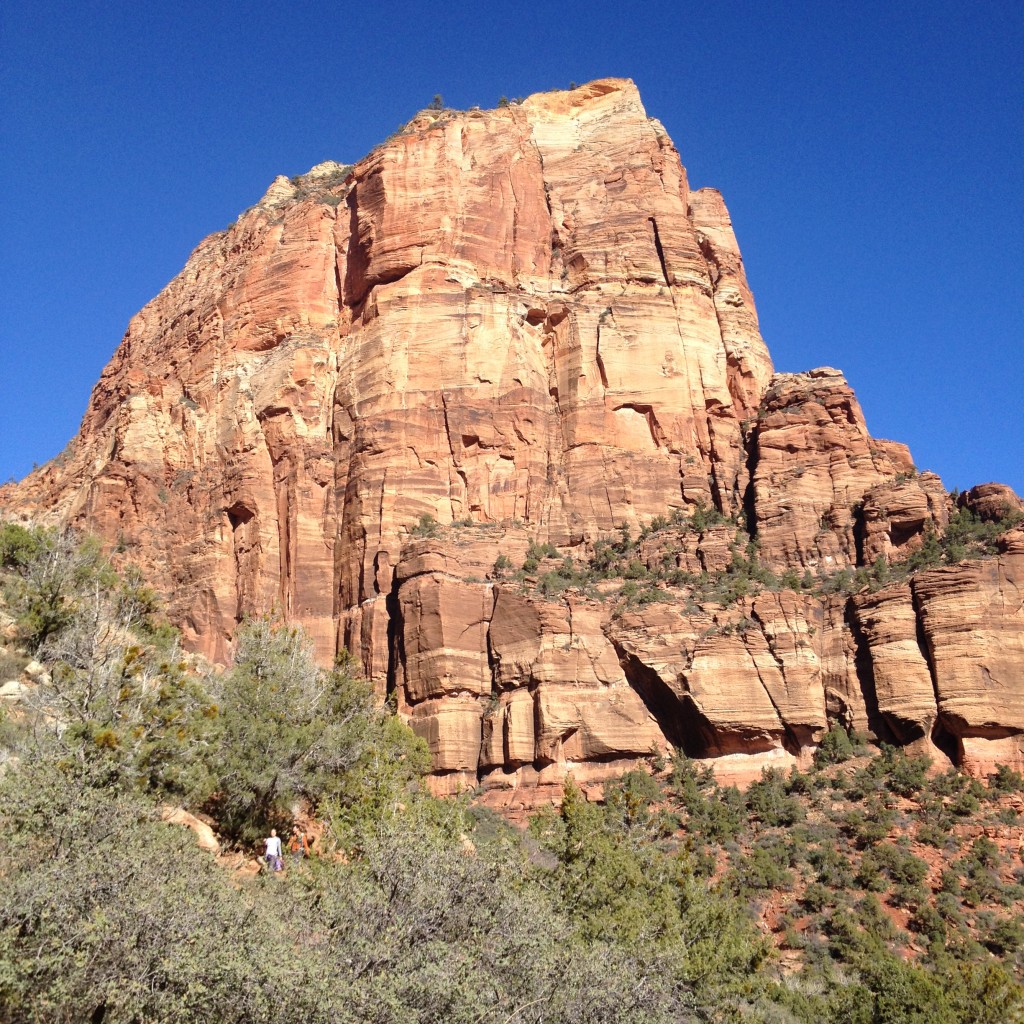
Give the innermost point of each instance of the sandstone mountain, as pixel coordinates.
(513, 334)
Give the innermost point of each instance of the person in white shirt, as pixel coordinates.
(273, 852)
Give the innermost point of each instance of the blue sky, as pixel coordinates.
(871, 155)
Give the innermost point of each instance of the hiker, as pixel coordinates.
(298, 845)
(273, 852)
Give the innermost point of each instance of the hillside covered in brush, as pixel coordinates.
(870, 888)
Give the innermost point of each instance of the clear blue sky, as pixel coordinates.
(871, 154)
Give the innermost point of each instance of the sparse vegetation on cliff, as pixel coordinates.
(648, 566)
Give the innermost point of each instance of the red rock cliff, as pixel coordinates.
(523, 326)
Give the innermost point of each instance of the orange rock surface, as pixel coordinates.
(515, 327)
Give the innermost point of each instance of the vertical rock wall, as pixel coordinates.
(512, 327)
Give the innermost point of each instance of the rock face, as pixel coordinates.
(972, 620)
(522, 327)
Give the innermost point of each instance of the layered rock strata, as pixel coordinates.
(523, 327)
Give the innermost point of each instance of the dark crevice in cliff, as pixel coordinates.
(859, 529)
(339, 284)
(554, 235)
(718, 498)
(431, 571)
(286, 530)
(710, 259)
(546, 187)
(493, 657)
(791, 740)
(678, 718)
(396, 274)
(515, 225)
(660, 251)
(922, 639)
(946, 741)
(611, 757)
(396, 650)
(243, 538)
(600, 359)
(239, 514)
(941, 737)
(750, 440)
(714, 276)
(357, 259)
(455, 459)
(865, 670)
(493, 666)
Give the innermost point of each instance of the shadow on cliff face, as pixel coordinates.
(866, 677)
(678, 718)
(887, 727)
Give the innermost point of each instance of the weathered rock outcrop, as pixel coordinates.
(514, 327)
(972, 620)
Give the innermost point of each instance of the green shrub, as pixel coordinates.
(927, 921)
(948, 783)
(759, 871)
(948, 906)
(286, 729)
(502, 564)
(1005, 780)
(964, 805)
(932, 833)
(903, 775)
(832, 866)
(869, 826)
(863, 782)
(870, 875)
(900, 864)
(835, 747)
(426, 527)
(552, 583)
(630, 800)
(55, 575)
(816, 898)
(1005, 936)
(703, 518)
(770, 802)
(635, 570)
(108, 914)
(20, 544)
(875, 920)
(718, 817)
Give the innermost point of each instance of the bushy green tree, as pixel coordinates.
(645, 898)
(836, 746)
(18, 545)
(287, 730)
(117, 692)
(107, 914)
(769, 799)
(1005, 780)
(439, 928)
(53, 573)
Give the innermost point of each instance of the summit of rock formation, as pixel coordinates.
(515, 331)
